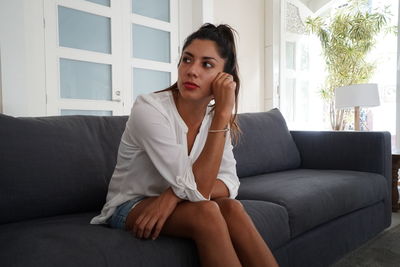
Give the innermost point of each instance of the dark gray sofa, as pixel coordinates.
(314, 196)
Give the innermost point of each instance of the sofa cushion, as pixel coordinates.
(314, 197)
(56, 165)
(271, 220)
(70, 240)
(265, 144)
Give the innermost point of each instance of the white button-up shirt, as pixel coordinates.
(153, 155)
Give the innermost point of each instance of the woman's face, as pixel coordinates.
(199, 65)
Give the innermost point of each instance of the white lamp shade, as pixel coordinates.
(357, 95)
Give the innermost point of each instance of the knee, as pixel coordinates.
(207, 218)
(206, 211)
(231, 208)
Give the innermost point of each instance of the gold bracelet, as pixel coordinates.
(219, 131)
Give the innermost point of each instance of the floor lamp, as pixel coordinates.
(357, 95)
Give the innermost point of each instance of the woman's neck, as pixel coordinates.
(191, 112)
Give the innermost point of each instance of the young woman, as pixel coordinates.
(175, 172)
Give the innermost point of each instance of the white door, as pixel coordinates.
(100, 54)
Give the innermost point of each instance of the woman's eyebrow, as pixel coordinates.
(210, 58)
(206, 58)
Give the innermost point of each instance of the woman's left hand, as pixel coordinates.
(223, 89)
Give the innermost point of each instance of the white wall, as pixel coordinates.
(22, 58)
(247, 17)
(186, 20)
(192, 14)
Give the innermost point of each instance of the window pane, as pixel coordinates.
(156, 9)
(290, 55)
(305, 60)
(290, 97)
(82, 30)
(65, 112)
(100, 2)
(302, 101)
(149, 43)
(85, 80)
(147, 81)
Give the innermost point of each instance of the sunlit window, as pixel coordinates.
(303, 73)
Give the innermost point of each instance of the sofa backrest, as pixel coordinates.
(56, 165)
(265, 145)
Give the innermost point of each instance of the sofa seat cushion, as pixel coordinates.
(271, 220)
(265, 144)
(313, 197)
(70, 240)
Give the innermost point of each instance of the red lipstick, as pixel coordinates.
(189, 85)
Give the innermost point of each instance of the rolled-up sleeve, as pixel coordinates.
(154, 133)
(227, 171)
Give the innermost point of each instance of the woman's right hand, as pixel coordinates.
(223, 89)
(152, 217)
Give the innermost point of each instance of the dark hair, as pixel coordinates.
(224, 36)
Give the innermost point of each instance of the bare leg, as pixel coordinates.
(202, 222)
(249, 245)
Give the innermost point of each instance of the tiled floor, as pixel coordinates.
(379, 256)
(378, 252)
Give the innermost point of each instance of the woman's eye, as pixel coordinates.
(207, 65)
(186, 59)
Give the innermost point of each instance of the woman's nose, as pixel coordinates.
(193, 70)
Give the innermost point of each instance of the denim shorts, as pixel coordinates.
(118, 219)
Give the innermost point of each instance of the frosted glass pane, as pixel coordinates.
(156, 9)
(65, 112)
(82, 30)
(147, 81)
(85, 80)
(290, 55)
(149, 43)
(101, 2)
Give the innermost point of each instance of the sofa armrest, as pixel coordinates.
(358, 151)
